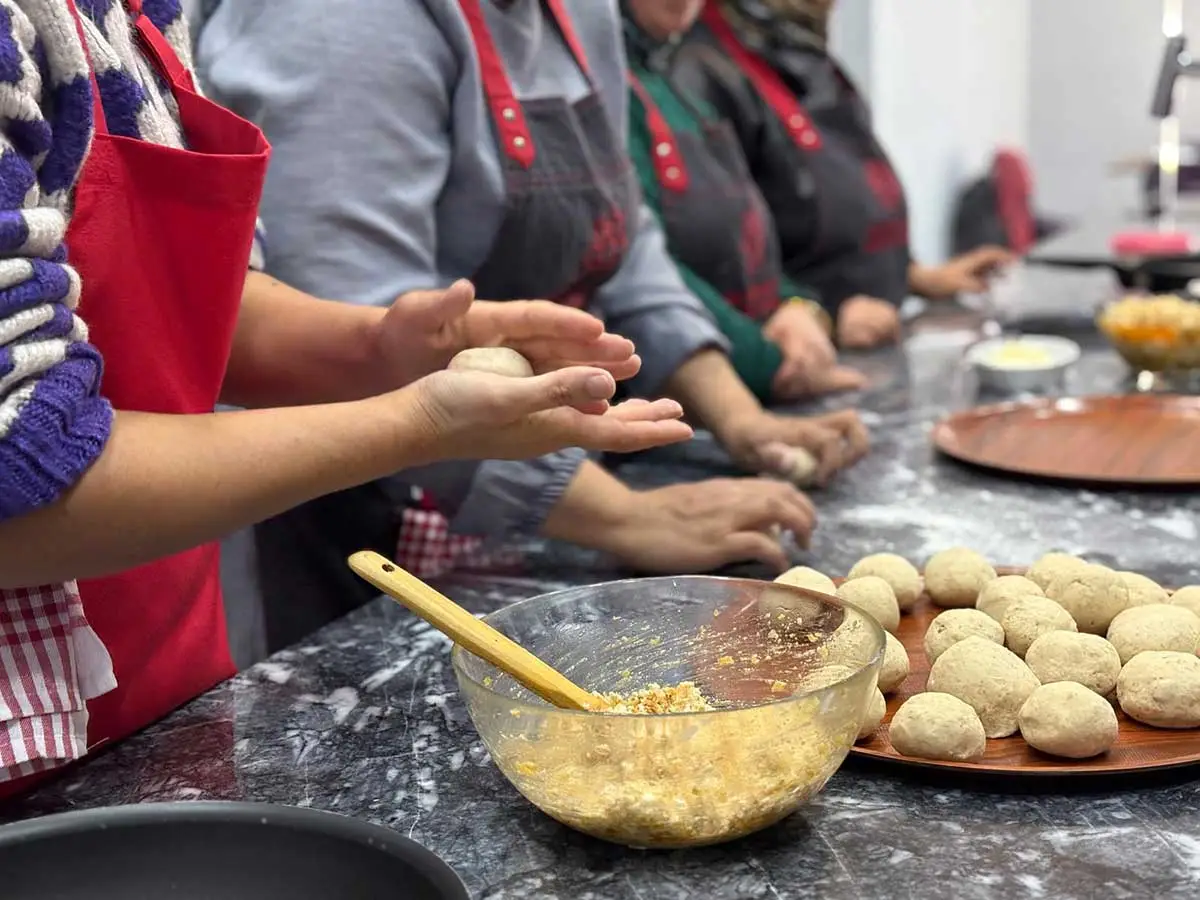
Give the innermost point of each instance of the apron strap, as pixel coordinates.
(159, 50)
(669, 166)
(567, 27)
(99, 122)
(515, 139)
(766, 81)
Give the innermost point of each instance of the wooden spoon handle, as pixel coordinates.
(469, 632)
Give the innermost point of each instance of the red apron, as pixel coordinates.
(161, 239)
(571, 196)
(862, 217)
(706, 187)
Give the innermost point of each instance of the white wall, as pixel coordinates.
(948, 82)
(1093, 68)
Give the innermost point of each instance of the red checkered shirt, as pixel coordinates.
(51, 664)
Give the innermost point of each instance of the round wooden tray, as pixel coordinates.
(1140, 439)
(1139, 748)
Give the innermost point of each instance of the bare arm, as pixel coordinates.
(291, 348)
(166, 483)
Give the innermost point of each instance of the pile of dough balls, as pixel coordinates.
(1046, 654)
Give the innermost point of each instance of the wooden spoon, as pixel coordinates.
(469, 632)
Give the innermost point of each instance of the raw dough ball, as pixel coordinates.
(997, 594)
(1050, 566)
(989, 677)
(1161, 688)
(876, 710)
(1188, 598)
(894, 668)
(804, 577)
(875, 597)
(1142, 591)
(1087, 659)
(937, 726)
(497, 360)
(955, 577)
(802, 471)
(1029, 618)
(897, 571)
(1159, 626)
(1066, 719)
(954, 625)
(1093, 595)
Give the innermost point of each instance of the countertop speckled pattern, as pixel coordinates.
(363, 718)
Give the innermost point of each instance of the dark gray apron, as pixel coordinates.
(572, 197)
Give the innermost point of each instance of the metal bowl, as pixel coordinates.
(1029, 363)
(754, 649)
(201, 851)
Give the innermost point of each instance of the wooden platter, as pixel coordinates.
(1139, 748)
(1141, 439)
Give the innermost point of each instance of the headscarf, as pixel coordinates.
(765, 23)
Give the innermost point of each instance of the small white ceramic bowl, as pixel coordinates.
(1030, 362)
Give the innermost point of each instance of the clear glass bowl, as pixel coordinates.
(790, 671)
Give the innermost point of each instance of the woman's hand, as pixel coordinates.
(965, 274)
(423, 329)
(866, 322)
(836, 440)
(475, 415)
(809, 358)
(703, 526)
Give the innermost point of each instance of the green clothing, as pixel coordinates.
(755, 358)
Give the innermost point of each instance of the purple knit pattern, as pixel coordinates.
(63, 425)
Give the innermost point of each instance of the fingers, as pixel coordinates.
(519, 320)
(437, 306)
(850, 426)
(617, 434)
(646, 411)
(746, 546)
(762, 503)
(840, 378)
(579, 386)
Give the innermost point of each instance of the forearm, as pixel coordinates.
(291, 348)
(711, 392)
(166, 483)
(592, 505)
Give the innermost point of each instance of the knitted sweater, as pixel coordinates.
(54, 419)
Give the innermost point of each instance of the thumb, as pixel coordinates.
(435, 308)
(843, 378)
(581, 387)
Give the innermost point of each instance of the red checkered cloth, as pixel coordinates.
(51, 664)
(426, 548)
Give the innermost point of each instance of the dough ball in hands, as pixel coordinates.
(937, 726)
(1188, 598)
(784, 462)
(954, 577)
(804, 577)
(875, 597)
(1159, 626)
(1066, 719)
(1051, 566)
(496, 360)
(954, 625)
(1142, 591)
(1029, 618)
(990, 678)
(1086, 659)
(1161, 688)
(876, 710)
(1093, 595)
(897, 571)
(997, 594)
(895, 666)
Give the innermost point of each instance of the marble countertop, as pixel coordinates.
(364, 719)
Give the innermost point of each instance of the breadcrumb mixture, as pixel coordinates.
(656, 699)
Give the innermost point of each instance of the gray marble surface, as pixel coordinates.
(364, 718)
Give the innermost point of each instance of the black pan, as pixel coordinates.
(216, 851)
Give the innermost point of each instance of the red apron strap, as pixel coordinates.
(515, 139)
(162, 55)
(664, 150)
(765, 80)
(99, 122)
(567, 27)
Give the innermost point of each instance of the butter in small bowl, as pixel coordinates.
(1027, 363)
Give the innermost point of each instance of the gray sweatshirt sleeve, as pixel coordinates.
(364, 128)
